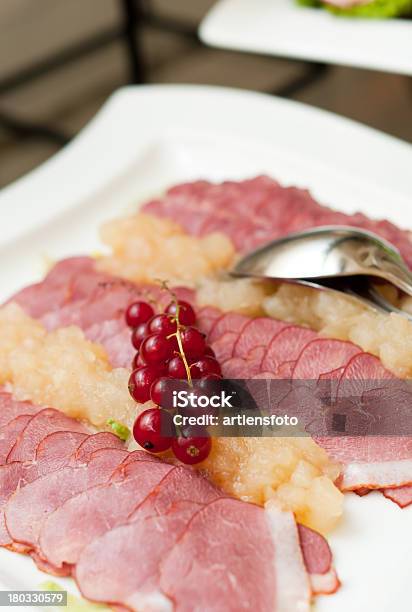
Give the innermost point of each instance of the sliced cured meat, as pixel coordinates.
(321, 356)
(223, 346)
(44, 422)
(114, 336)
(11, 408)
(360, 373)
(286, 346)
(27, 508)
(228, 322)
(74, 292)
(261, 568)
(103, 569)
(372, 462)
(206, 317)
(9, 434)
(255, 211)
(11, 476)
(63, 536)
(257, 332)
(318, 561)
(401, 495)
(238, 368)
(55, 450)
(96, 442)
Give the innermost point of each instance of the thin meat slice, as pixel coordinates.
(103, 572)
(260, 566)
(400, 495)
(44, 422)
(114, 336)
(238, 368)
(257, 332)
(286, 346)
(372, 462)
(228, 322)
(321, 356)
(223, 346)
(11, 408)
(96, 442)
(27, 508)
(9, 434)
(318, 561)
(206, 317)
(63, 536)
(55, 451)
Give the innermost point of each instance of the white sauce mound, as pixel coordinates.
(61, 369)
(295, 472)
(145, 248)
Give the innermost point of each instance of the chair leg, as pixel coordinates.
(133, 13)
(28, 129)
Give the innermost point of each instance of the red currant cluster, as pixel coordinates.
(168, 347)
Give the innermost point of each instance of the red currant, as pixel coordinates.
(193, 342)
(154, 430)
(176, 368)
(137, 361)
(186, 313)
(209, 352)
(156, 349)
(162, 324)
(160, 392)
(193, 446)
(139, 334)
(205, 366)
(137, 313)
(140, 382)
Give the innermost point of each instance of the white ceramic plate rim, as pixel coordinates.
(283, 28)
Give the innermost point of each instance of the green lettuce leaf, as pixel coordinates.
(377, 9)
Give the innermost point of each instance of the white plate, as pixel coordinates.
(147, 138)
(283, 28)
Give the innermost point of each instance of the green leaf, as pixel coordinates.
(120, 430)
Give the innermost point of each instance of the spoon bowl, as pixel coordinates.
(327, 253)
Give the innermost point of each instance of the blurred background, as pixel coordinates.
(61, 59)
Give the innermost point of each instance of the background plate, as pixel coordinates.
(281, 27)
(147, 138)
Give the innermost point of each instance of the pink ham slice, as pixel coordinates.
(63, 536)
(206, 317)
(321, 356)
(11, 408)
(257, 332)
(44, 422)
(372, 462)
(103, 569)
(261, 566)
(115, 337)
(401, 495)
(286, 346)
(53, 452)
(318, 561)
(257, 210)
(228, 322)
(27, 509)
(9, 434)
(223, 346)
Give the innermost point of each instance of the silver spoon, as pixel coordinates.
(332, 257)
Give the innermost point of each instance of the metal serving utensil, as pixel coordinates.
(337, 258)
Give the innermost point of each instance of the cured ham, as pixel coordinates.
(124, 498)
(258, 210)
